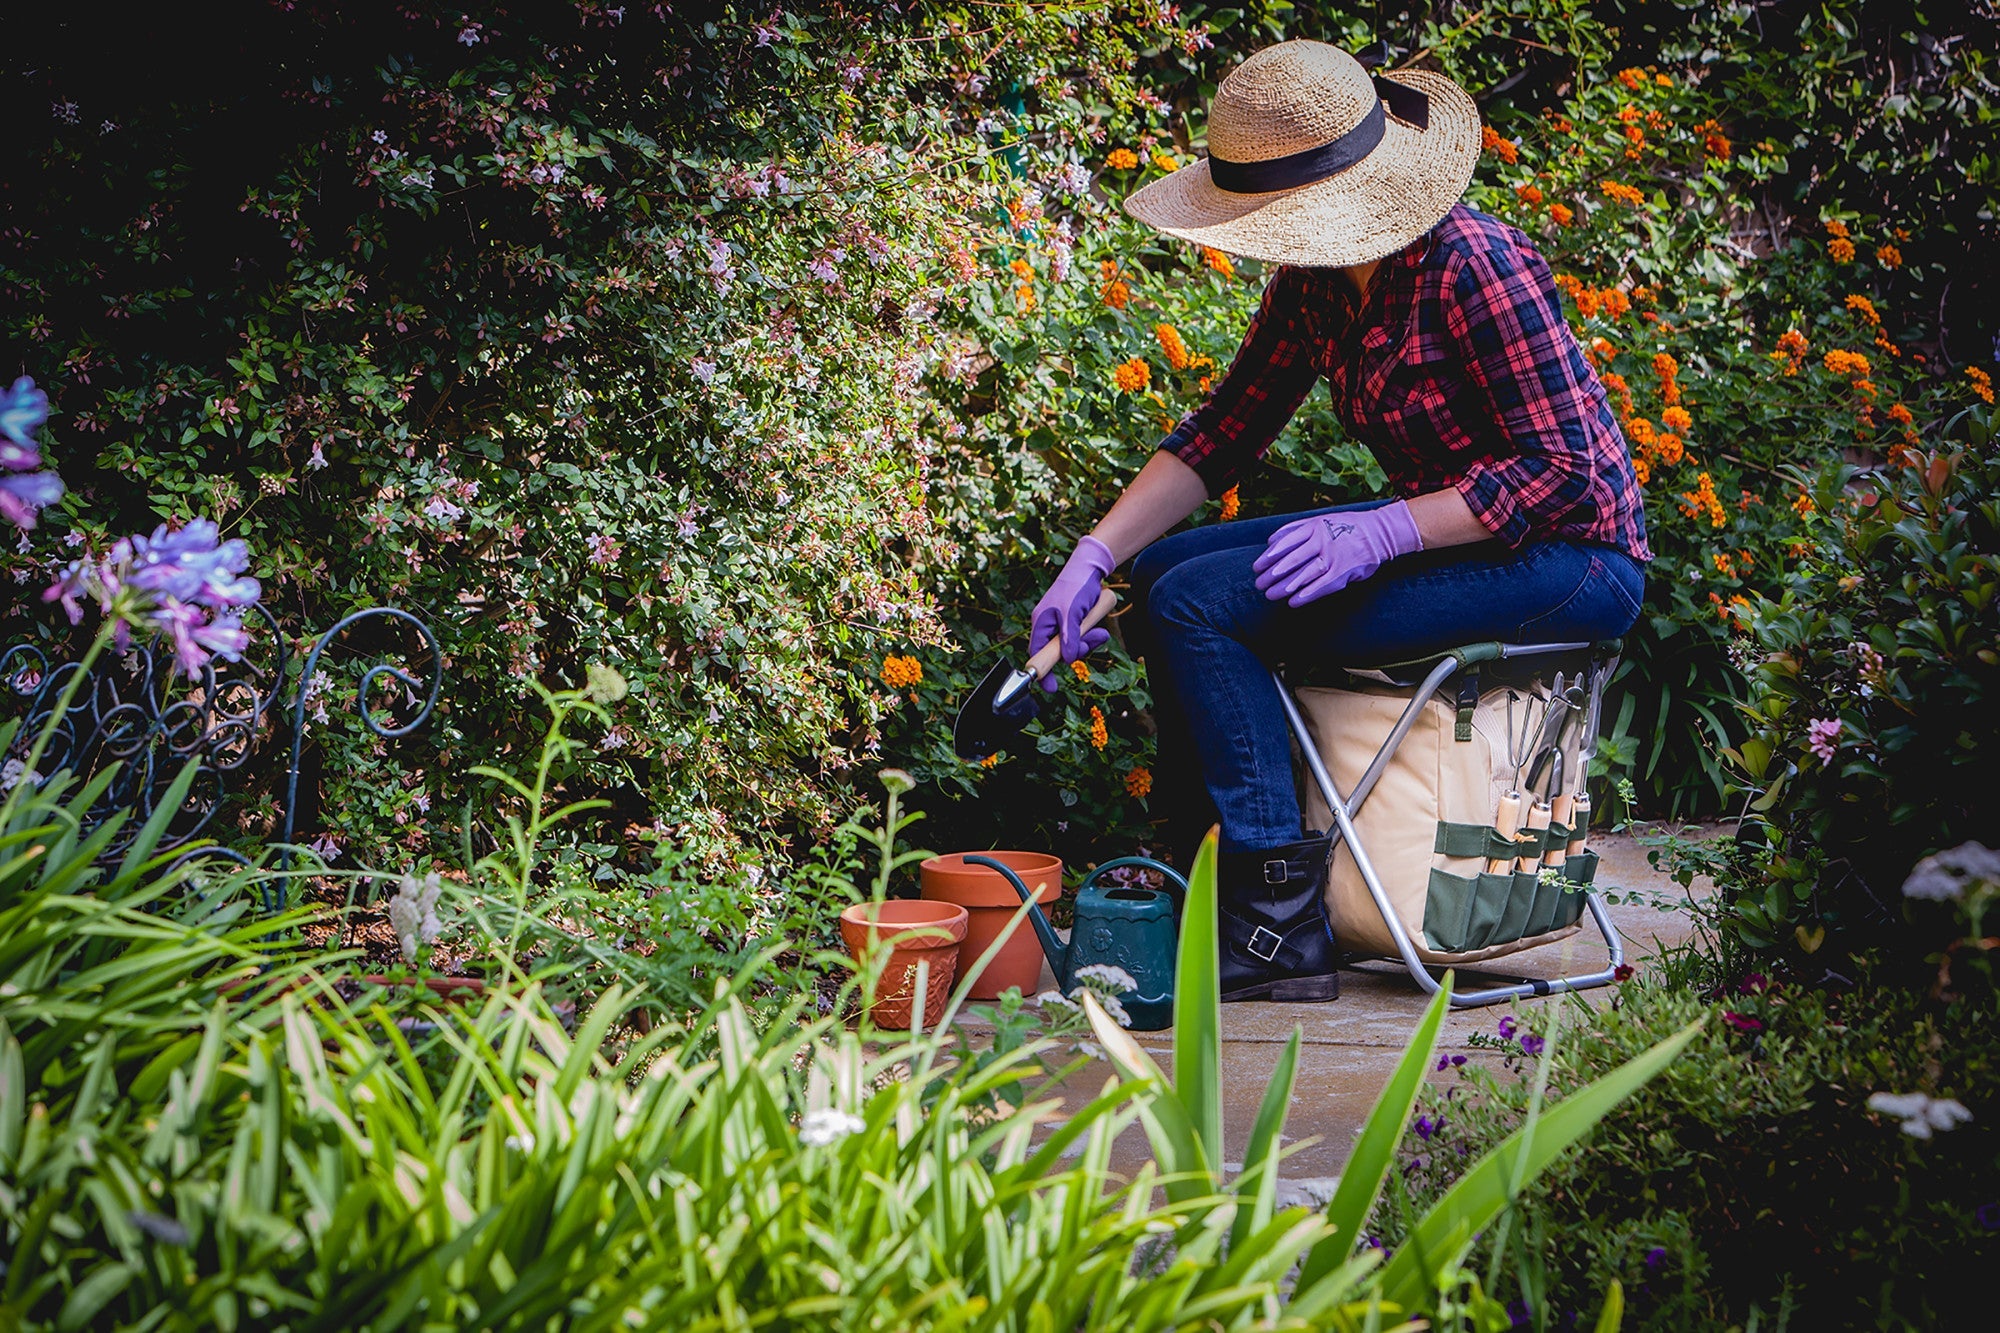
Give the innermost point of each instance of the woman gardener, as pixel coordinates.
(1442, 339)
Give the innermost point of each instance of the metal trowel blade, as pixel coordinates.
(1005, 702)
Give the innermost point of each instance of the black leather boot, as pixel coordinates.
(1277, 942)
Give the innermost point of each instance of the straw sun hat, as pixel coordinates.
(1311, 160)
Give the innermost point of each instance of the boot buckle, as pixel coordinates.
(1277, 871)
(1264, 943)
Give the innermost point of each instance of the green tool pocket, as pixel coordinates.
(1464, 912)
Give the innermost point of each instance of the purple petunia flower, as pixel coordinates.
(1425, 1127)
(1507, 1026)
(1532, 1045)
(1656, 1256)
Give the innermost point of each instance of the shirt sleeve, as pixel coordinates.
(1271, 375)
(1519, 353)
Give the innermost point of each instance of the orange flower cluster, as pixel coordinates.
(1982, 383)
(1713, 141)
(1835, 227)
(900, 673)
(1560, 124)
(1132, 376)
(1171, 344)
(1115, 294)
(1845, 363)
(1669, 447)
(1733, 611)
(1642, 433)
(1703, 499)
(1865, 308)
(1628, 114)
(1901, 415)
(1024, 295)
(1725, 564)
(1490, 140)
(1100, 735)
(1165, 163)
(1081, 670)
(1667, 369)
(1791, 350)
(1618, 388)
(1232, 505)
(1624, 194)
(1562, 213)
(1121, 159)
(1663, 81)
(1138, 783)
(1218, 261)
(1802, 504)
(1635, 143)
(1840, 250)
(1530, 195)
(1677, 419)
(1866, 388)
(1600, 352)
(1633, 78)
(1888, 256)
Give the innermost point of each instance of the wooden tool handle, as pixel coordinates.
(1580, 824)
(1560, 811)
(1507, 823)
(1050, 657)
(1538, 821)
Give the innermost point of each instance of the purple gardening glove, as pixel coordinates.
(1061, 611)
(1307, 559)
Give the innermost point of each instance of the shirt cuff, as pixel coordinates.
(1210, 458)
(1492, 503)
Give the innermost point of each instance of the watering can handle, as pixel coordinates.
(1175, 883)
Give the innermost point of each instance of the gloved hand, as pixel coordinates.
(1061, 611)
(1311, 557)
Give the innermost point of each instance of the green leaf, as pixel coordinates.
(1375, 1151)
(1261, 1155)
(1198, 1004)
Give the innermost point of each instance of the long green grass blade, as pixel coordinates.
(1374, 1152)
(1198, 1005)
(1482, 1192)
(1260, 1156)
(1613, 1317)
(1170, 1129)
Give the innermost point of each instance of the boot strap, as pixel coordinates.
(1277, 871)
(1264, 943)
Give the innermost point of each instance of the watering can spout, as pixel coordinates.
(1052, 945)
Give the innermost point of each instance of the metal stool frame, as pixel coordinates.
(1344, 809)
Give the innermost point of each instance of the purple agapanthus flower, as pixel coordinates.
(186, 585)
(23, 490)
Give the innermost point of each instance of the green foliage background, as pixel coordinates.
(432, 305)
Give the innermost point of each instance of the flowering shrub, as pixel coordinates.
(1874, 709)
(1782, 1135)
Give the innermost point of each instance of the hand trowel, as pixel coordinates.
(1008, 699)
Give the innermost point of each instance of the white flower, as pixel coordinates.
(1108, 1003)
(11, 773)
(1945, 876)
(822, 1128)
(413, 913)
(1056, 998)
(441, 510)
(1116, 979)
(1920, 1114)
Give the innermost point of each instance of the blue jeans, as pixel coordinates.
(1210, 638)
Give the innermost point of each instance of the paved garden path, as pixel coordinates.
(1351, 1045)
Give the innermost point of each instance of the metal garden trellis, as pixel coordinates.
(150, 719)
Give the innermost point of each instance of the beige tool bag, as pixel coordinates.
(1428, 825)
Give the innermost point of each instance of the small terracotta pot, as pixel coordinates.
(991, 902)
(914, 932)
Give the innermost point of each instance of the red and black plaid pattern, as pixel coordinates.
(1458, 370)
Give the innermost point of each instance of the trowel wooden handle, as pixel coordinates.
(1050, 657)
(1579, 828)
(1560, 811)
(1507, 823)
(1538, 822)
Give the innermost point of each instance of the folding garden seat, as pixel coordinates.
(1456, 794)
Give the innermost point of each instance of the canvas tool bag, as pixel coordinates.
(1427, 825)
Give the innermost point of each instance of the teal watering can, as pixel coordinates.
(1137, 929)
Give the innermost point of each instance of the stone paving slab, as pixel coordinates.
(1350, 1046)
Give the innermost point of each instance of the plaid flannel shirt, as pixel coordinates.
(1458, 369)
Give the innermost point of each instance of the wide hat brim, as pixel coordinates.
(1371, 210)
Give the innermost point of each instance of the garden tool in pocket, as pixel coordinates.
(1005, 702)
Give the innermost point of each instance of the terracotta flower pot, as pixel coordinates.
(914, 932)
(991, 902)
